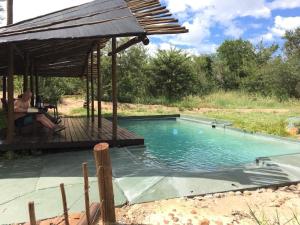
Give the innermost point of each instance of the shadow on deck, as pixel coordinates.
(79, 133)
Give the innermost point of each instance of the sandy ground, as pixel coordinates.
(229, 208)
(268, 206)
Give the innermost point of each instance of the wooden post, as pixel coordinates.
(87, 92)
(104, 174)
(25, 77)
(10, 11)
(114, 92)
(10, 79)
(86, 192)
(92, 86)
(64, 201)
(99, 88)
(31, 209)
(32, 85)
(36, 85)
(10, 86)
(4, 88)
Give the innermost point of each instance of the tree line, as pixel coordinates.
(174, 74)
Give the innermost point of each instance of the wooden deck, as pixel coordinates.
(80, 133)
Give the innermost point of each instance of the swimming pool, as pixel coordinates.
(191, 146)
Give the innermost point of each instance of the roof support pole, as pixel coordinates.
(10, 11)
(10, 86)
(92, 87)
(99, 88)
(10, 79)
(32, 85)
(4, 88)
(87, 91)
(114, 92)
(36, 85)
(25, 77)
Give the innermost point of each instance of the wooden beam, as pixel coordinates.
(10, 87)
(10, 11)
(36, 85)
(32, 85)
(99, 88)
(4, 87)
(92, 86)
(25, 77)
(131, 42)
(87, 92)
(114, 92)
(94, 214)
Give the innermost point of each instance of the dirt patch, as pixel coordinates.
(69, 104)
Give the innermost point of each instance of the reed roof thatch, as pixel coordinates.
(59, 43)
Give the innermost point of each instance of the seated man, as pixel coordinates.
(22, 118)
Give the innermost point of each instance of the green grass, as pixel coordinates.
(269, 123)
(235, 100)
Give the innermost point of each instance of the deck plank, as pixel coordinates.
(79, 133)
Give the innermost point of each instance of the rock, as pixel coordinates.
(293, 187)
(208, 196)
(204, 222)
(261, 190)
(247, 193)
(231, 193)
(175, 219)
(193, 211)
(270, 190)
(171, 215)
(219, 223)
(218, 195)
(238, 193)
(293, 131)
(166, 221)
(285, 188)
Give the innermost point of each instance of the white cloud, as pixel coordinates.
(284, 4)
(209, 13)
(281, 25)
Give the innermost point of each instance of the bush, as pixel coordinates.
(172, 74)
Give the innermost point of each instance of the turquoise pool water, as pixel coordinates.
(185, 145)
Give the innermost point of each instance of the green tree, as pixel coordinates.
(133, 81)
(239, 57)
(292, 44)
(172, 74)
(203, 70)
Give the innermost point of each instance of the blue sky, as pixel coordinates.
(210, 21)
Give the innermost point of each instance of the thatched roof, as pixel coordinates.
(59, 43)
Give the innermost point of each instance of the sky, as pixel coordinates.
(210, 22)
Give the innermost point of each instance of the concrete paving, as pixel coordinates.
(136, 179)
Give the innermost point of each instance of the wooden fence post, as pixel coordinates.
(65, 206)
(86, 192)
(32, 218)
(104, 174)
